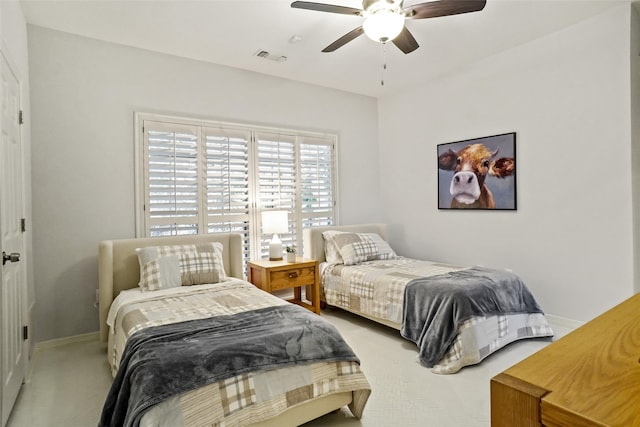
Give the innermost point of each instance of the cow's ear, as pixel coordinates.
(502, 167)
(448, 160)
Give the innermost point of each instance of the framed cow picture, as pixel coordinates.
(478, 173)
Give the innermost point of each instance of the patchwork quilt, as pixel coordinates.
(247, 397)
(376, 289)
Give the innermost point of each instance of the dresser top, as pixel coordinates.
(592, 373)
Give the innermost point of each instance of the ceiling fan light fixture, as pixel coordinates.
(384, 19)
(383, 25)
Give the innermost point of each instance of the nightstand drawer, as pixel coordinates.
(284, 279)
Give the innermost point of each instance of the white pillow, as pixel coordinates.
(355, 248)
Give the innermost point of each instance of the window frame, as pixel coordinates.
(257, 241)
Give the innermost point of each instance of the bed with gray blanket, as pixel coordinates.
(457, 316)
(221, 353)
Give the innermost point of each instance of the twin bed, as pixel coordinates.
(457, 316)
(166, 302)
(274, 364)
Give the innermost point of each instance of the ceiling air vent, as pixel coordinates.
(269, 57)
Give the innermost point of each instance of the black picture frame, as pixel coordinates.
(472, 172)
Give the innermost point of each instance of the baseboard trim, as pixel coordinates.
(91, 336)
(95, 336)
(563, 321)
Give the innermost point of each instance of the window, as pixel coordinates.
(198, 177)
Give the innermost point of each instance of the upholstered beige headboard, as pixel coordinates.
(313, 242)
(118, 267)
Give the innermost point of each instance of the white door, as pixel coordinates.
(12, 355)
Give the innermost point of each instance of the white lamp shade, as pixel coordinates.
(274, 222)
(383, 25)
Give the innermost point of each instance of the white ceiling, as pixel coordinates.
(230, 32)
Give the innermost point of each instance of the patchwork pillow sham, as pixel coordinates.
(354, 248)
(163, 267)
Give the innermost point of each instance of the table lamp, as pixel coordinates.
(274, 222)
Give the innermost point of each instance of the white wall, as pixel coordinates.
(567, 97)
(84, 95)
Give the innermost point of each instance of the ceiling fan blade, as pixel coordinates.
(435, 9)
(344, 39)
(405, 41)
(326, 8)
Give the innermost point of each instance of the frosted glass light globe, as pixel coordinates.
(383, 25)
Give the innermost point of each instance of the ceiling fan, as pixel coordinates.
(384, 19)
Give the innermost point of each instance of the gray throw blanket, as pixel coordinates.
(163, 361)
(434, 307)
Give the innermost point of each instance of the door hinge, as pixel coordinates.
(23, 224)
(20, 118)
(25, 332)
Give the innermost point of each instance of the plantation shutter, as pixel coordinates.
(227, 182)
(198, 176)
(277, 183)
(171, 205)
(317, 182)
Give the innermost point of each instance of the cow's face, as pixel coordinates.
(472, 164)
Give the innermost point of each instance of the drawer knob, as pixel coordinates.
(293, 275)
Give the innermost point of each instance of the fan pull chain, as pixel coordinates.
(384, 63)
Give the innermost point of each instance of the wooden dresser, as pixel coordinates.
(590, 377)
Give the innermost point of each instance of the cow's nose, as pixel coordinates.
(464, 178)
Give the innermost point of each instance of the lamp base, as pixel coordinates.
(275, 249)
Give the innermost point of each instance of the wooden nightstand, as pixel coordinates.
(275, 275)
